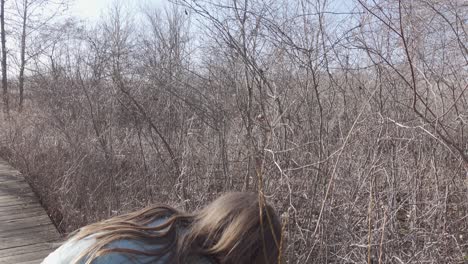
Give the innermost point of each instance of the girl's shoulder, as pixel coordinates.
(69, 251)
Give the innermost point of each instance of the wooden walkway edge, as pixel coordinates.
(27, 234)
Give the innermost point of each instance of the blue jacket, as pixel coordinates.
(71, 249)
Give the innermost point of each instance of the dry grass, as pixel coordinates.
(359, 172)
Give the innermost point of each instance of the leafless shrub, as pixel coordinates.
(352, 122)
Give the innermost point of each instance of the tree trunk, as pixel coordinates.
(23, 57)
(4, 58)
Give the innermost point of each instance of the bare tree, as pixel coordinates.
(6, 106)
(33, 19)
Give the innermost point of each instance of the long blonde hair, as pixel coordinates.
(235, 228)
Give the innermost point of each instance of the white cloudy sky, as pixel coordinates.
(91, 9)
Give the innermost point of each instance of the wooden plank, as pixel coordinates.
(29, 230)
(27, 248)
(26, 231)
(11, 195)
(18, 214)
(17, 209)
(10, 177)
(15, 190)
(24, 223)
(22, 217)
(31, 262)
(13, 181)
(33, 256)
(14, 196)
(7, 201)
(39, 261)
(20, 205)
(7, 173)
(16, 182)
(27, 239)
(15, 186)
(22, 220)
(17, 194)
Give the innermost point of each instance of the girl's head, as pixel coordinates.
(235, 228)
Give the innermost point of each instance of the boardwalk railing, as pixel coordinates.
(27, 234)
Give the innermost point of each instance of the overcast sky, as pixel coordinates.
(92, 9)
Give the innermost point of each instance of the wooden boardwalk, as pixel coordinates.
(26, 231)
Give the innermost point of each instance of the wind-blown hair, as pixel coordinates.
(235, 228)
